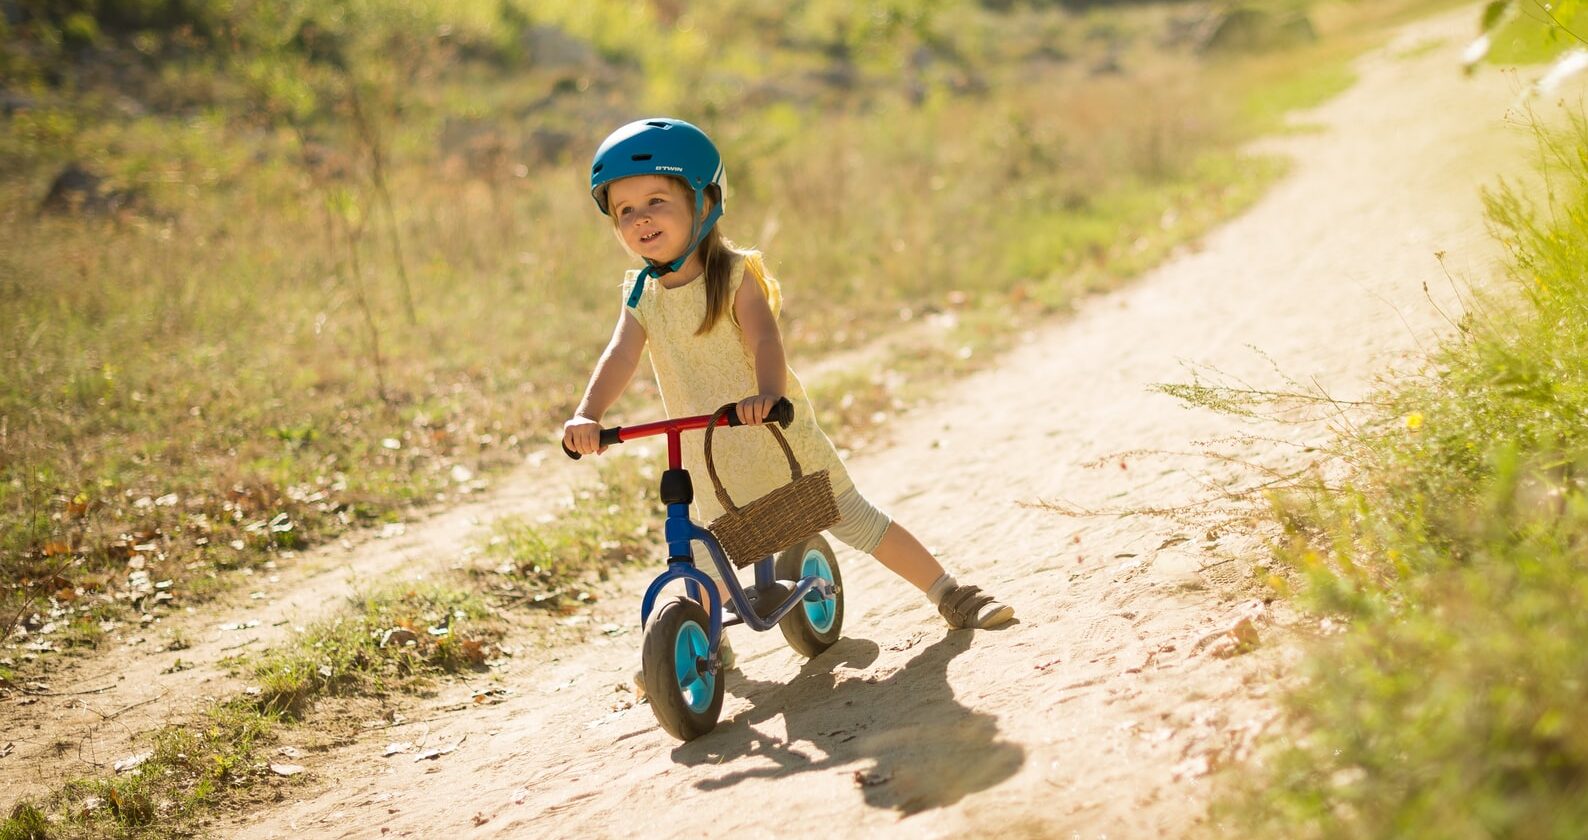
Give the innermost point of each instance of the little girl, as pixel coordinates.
(714, 338)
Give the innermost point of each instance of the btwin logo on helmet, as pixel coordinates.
(669, 169)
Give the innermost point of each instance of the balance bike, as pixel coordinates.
(799, 590)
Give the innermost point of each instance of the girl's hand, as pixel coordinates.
(582, 435)
(754, 409)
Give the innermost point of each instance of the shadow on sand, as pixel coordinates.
(926, 750)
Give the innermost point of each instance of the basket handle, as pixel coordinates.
(711, 465)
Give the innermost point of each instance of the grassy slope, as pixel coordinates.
(1457, 555)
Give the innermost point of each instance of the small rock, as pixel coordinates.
(871, 778)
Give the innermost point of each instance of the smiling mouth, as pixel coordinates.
(650, 236)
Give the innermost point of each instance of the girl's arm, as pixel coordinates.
(612, 373)
(762, 340)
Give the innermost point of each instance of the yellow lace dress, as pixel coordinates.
(699, 373)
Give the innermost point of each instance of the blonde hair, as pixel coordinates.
(716, 256)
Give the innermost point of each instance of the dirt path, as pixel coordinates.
(1097, 713)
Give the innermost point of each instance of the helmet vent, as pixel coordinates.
(658, 124)
(597, 168)
(641, 157)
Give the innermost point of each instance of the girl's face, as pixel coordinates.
(653, 214)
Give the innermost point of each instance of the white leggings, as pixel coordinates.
(860, 525)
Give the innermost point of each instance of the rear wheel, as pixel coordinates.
(816, 624)
(685, 696)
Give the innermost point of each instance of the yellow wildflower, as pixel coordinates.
(1414, 421)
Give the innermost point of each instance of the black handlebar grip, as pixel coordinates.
(782, 413)
(609, 437)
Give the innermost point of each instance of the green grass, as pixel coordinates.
(25, 822)
(547, 564)
(390, 641)
(1458, 558)
(1539, 32)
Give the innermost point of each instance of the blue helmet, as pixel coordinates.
(656, 147)
(661, 147)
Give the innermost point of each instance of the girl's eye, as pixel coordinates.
(658, 200)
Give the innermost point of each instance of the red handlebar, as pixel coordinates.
(782, 413)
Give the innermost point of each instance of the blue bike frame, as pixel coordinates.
(682, 533)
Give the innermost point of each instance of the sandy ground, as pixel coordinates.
(1101, 712)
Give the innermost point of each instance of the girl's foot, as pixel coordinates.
(968, 606)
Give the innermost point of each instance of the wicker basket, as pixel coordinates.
(777, 520)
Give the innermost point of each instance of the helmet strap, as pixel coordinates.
(652, 269)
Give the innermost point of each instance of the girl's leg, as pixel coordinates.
(961, 606)
(904, 555)
(864, 528)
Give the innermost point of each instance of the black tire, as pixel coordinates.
(806, 628)
(686, 704)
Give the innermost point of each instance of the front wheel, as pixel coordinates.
(817, 622)
(685, 695)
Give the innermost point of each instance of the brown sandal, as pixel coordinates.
(968, 606)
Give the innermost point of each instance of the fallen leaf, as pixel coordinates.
(1242, 638)
(398, 636)
(490, 695)
(291, 752)
(1245, 633)
(286, 769)
(481, 819)
(440, 751)
(132, 761)
(397, 747)
(906, 644)
(1158, 736)
(1193, 767)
